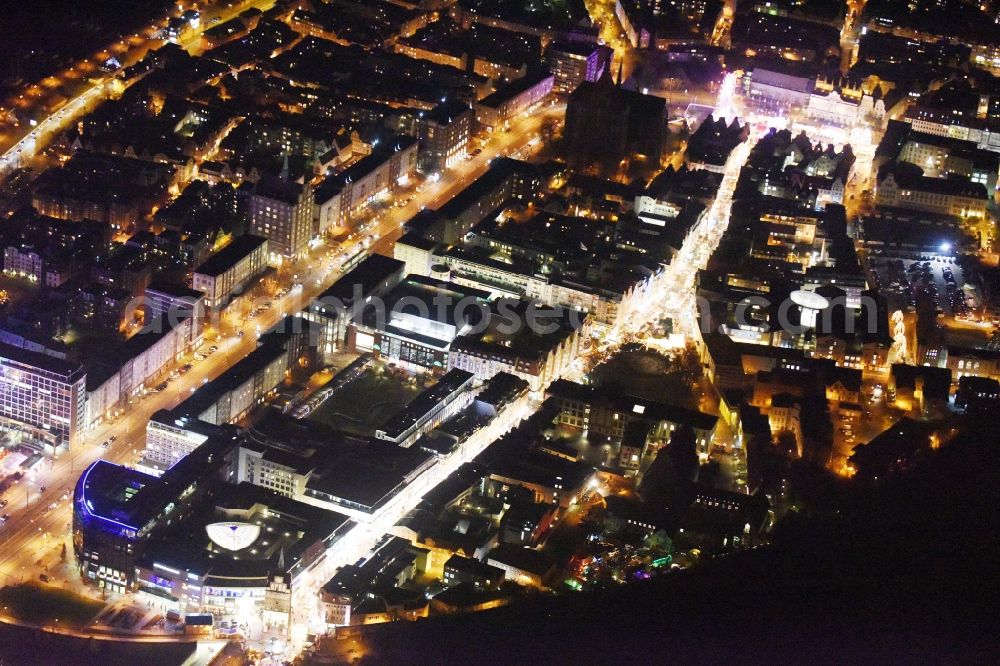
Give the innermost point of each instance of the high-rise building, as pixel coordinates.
(444, 135)
(45, 394)
(281, 210)
(572, 63)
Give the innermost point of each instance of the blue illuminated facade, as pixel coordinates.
(105, 529)
(117, 510)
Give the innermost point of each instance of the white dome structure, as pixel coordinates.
(232, 535)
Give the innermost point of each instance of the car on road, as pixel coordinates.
(44, 578)
(5, 517)
(105, 444)
(3, 503)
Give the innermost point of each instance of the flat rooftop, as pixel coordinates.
(52, 364)
(108, 492)
(630, 404)
(535, 335)
(427, 401)
(374, 271)
(280, 527)
(366, 477)
(515, 88)
(174, 290)
(426, 297)
(230, 255)
(206, 394)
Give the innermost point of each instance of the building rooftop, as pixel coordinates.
(632, 405)
(278, 189)
(974, 352)
(126, 500)
(500, 170)
(446, 112)
(937, 381)
(420, 299)
(174, 290)
(892, 449)
(511, 90)
(71, 371)
(952, 186)
(472, 566)
(278, 529)
(230, 255)
(417, 240)
(573, 47)
(109, 491)
(426, 401)
(366, 478)
(501, 388)
(526, 559)
(375, 271)
(529, 340)
(511, 457)
(376, 569)
(152, 332)
(380, 154)
(437, 442)
(208, 394)
(769, 77)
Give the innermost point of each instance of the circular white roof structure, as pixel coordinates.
(231, 535)
(809, 299)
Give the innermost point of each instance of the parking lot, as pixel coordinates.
(939, 283)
